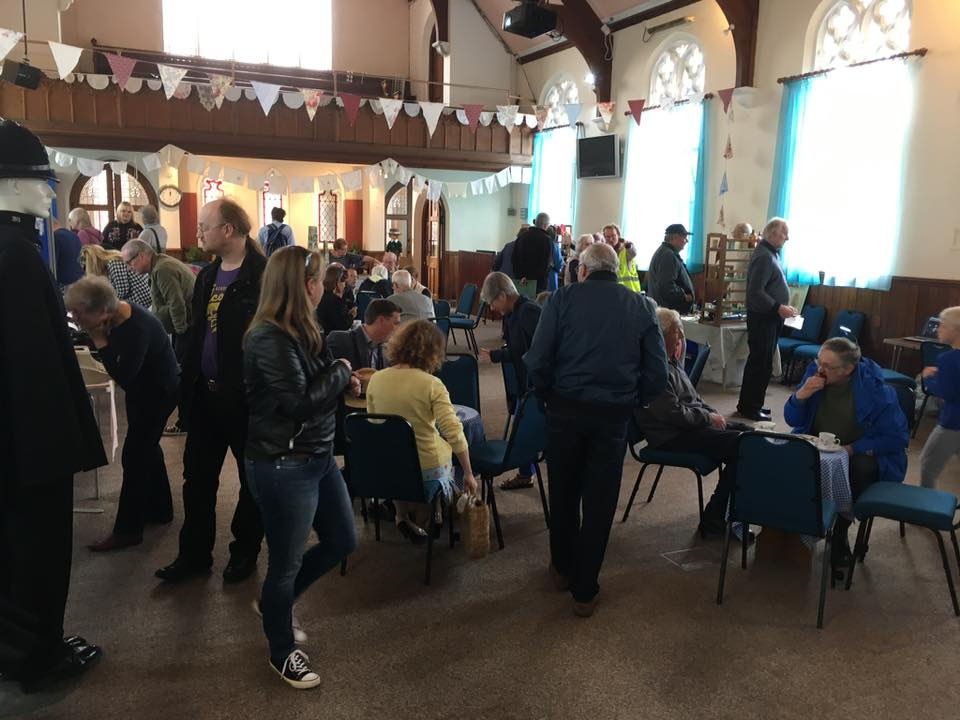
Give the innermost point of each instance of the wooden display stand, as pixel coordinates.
(726, 278)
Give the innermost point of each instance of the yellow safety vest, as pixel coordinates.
(627, 274)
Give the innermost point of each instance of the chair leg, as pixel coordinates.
(823, 573)
(956, 547)
(656, 482)
(492, 500)
(450, 515)
(633, 495)
(923, 407)
(703, 535)
(506, 427)
(472, 342)
(858, 550)
(946, 571)
(453, 335)
(903, 530)
(343, 567)
(866, 541)
(543, 496)
(723, 560)
(376, 519)
(363, 510)
(430, 526)
(743, 545)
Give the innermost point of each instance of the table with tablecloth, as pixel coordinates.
(728, 350)
(473, 431)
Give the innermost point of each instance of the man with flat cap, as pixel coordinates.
(668, 281)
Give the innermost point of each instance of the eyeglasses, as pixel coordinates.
(201, 230)
(828, 368)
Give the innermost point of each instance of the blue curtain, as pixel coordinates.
(698, 223)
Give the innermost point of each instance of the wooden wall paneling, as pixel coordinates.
(451, 131)
(60, 104)
(381, 134)
(353, 222)
(324, 124)
(468, 138)
(36, 102)
(106, 104)
(203, 120)
(158, 110)
(12, 100)
(483, 138)
(285, 119)
(499, 139)
(180, 116)
(526, 145)
(364, 126)
(515, 140)
(416, 129)
(134, 114)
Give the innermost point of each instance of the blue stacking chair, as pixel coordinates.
(441, 308)
(363, 299)
(699, 363)
(525, 446)
(778, 486)
(468, 325)
(929, 352)
(932, 509)
(460, 375)
(401, 480)
(465, 304)
(813, 317)
(848, 324)
(511, 389)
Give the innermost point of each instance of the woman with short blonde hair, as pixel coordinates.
(130, 286)
(123, 228)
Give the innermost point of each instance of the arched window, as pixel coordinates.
(210, 190)
(397, 216)
(678, 73)
(101, 194)
(857, 30)
(327, 214)
(563, 92)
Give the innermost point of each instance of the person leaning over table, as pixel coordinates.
(845, 394)
(408, 388)
(130, 286)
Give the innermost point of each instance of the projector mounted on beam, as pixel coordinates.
(530, 19)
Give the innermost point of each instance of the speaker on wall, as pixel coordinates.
(21, 74)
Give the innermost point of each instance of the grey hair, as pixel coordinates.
(584, 241)
(600, 256)
(846, 350)
(774, 223)
(402, 280)
(92, 294)
(134, 248)
(495, 285)
(951, 315)
(79, 218)
(150, 215)
(379, 271)
(668, 319)
(542, 220)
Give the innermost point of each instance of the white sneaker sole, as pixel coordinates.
(297, 684)
(299, 636)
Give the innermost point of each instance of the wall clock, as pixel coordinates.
(169, 196)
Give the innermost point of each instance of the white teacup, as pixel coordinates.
(828, 439)
(765, 426)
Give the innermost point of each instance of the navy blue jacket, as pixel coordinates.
(598, 346)
(519, 327)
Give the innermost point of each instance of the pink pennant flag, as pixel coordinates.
(472, 111)
(122, 67)
(219, 85)
(728, 151)
(636, 108)
(311, 100)
(726, 96)
(351, 105)
(606, 112)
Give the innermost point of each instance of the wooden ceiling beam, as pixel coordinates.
(441, 11)
(744, 16)
(581, 26)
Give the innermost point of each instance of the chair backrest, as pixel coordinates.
(907, 397)
(696, 371)
(929, 352)
(460, 375)
(848, 324)
(528, 436)
(467, 296)
(511, 384)
(480, 311)
(441, 308)
(363, 299)
(813, 317)
(778, 483)
(690, 351)
(443, 323)
(382, 459)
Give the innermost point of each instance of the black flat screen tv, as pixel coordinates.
(598, 156)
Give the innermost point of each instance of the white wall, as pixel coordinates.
(477, 58)
(422, 23)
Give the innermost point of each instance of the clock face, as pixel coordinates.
(169, 196)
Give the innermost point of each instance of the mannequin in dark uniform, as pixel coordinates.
(47, 431)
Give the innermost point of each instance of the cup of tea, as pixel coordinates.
(828, 439)
(364, 374)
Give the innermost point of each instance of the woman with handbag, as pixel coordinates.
(293, 385)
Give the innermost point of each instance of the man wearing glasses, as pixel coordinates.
(224, 301)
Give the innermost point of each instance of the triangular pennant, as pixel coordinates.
(412, 109)
(403, 175)
(352, 180)
(668, 103)
(234, 176)
(65, 56)
(572, 111)
(730, 117)
(472, 111)
(490, 183)
(431, 113)
(267, 94)
(721, 220)
(541, 113)
(351, 105)
(196, 164)
(255, 181)
(122, 67)
(476, 187)
(726, 96)
(311, 101)
(636, 109)
(507, 115)
(88, 167)
(389, 166)
(391, 109)
(219, 85)
(728, 151)
(206, 97)
(606, 113)
(171, 76)
(183, 91)
(723, 185)
(8, 40)
(119, 167)
(503, 177)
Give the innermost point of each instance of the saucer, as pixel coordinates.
(831, 448)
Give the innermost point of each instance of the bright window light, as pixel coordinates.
(552, 189)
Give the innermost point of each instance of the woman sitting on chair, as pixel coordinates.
(409, 388)
(332, 312)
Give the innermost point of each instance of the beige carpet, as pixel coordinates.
(491, 639)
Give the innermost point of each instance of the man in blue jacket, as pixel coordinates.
(844, 394)
(596, 356)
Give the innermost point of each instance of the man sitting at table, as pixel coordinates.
(844, 394)
(363, 345)
(680, 421)
(413, 305)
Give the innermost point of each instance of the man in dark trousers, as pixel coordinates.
(225, 299)
(767, 307)
(532, 252)
(47, 430)
(520, 318)
(668, 281)
(597, 355)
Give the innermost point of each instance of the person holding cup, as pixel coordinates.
(844, 395)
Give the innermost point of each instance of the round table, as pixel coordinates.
(473, 431)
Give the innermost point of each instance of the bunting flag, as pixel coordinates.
(606, 113)
(173, 155)
(302, 184)
(63, 159)
(267, 94)
(431, 113)
(328, 183)
(375, 176)
(351, 105)
(636, 109)
(255, 181)
(88, 167)
(541, 113)
(412, 109)
(183, 91)
(476, 187)
(391, 109)
(721, 220)
(65, 56)
(724, 188)
(572, 111)
(503, 177)
(434, 190)
(352, 181)
(457, 189)
(389, 166)
(472, 111)
(516, 174)
(490, 183)
(726, 96)
(507, 115)
(668, 103)
(119, 167)
(311, 100)
(8, 40)
(205, 93)
(219, 85)
(151, 162)
(526, 175)
(170, 76)
(728, 151)
(403, 175)
(234, 176)
(122, 67)
(196, 164)
(730, 114)
(278, 183)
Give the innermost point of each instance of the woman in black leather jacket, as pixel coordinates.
(293, 384)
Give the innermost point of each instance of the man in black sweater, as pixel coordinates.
(668, 281)
(532, 252)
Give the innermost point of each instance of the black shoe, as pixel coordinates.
(410, 533)
(755, 415)
(296, 671)
(70, 661)
(239, 569)
(711, 526)
(840, 556)
(765, 411)
(181, 569)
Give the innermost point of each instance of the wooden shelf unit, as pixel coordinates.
(726, 277)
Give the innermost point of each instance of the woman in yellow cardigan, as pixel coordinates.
(408, 388)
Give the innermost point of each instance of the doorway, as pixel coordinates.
(433, 226)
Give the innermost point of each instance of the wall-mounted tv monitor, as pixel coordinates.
(598, 156)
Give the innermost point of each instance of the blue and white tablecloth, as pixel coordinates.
(473, 430)
(834, 485)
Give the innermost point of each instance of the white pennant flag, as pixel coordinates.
(328, 182)
(457, 189)
(65, 56)
(374, 176)
(412, 109)
(389, 166)
(118, 166)
(503, 177)
(434, 189)
(88, 167)
(403, 175)
(352, 181)
(63, 159)
(476, 187)
(516, 174)
(8, 40)
(526, 176)
(490, 183)
(267, 94)
(507, 115)
(391, 108)
(196, 164)
(152, 162)
(431, 113)
(234, 176)
(302, 183)
(255, 181)
(213, 171)
(278, 184)
(171, 76)
(572, 111)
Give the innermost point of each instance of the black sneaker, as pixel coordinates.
(181, 569)
(239, 569)
(296, 671)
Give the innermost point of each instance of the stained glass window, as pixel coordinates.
(101, 194)
(678, 73)
(857, 30)
(328, 220)
(269, 201)
(560, 94)
(211, 190)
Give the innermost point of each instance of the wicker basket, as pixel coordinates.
(475, 527)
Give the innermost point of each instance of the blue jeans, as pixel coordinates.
(294, 494)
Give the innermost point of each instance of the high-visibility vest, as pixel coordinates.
(627, 275)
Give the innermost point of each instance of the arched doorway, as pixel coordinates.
(433, 232)
(100, 195)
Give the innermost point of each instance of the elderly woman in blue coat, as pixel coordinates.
(844, 394)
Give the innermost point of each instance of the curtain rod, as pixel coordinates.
(628, 113)
(816, 73)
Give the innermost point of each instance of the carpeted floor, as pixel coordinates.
(492, 639)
